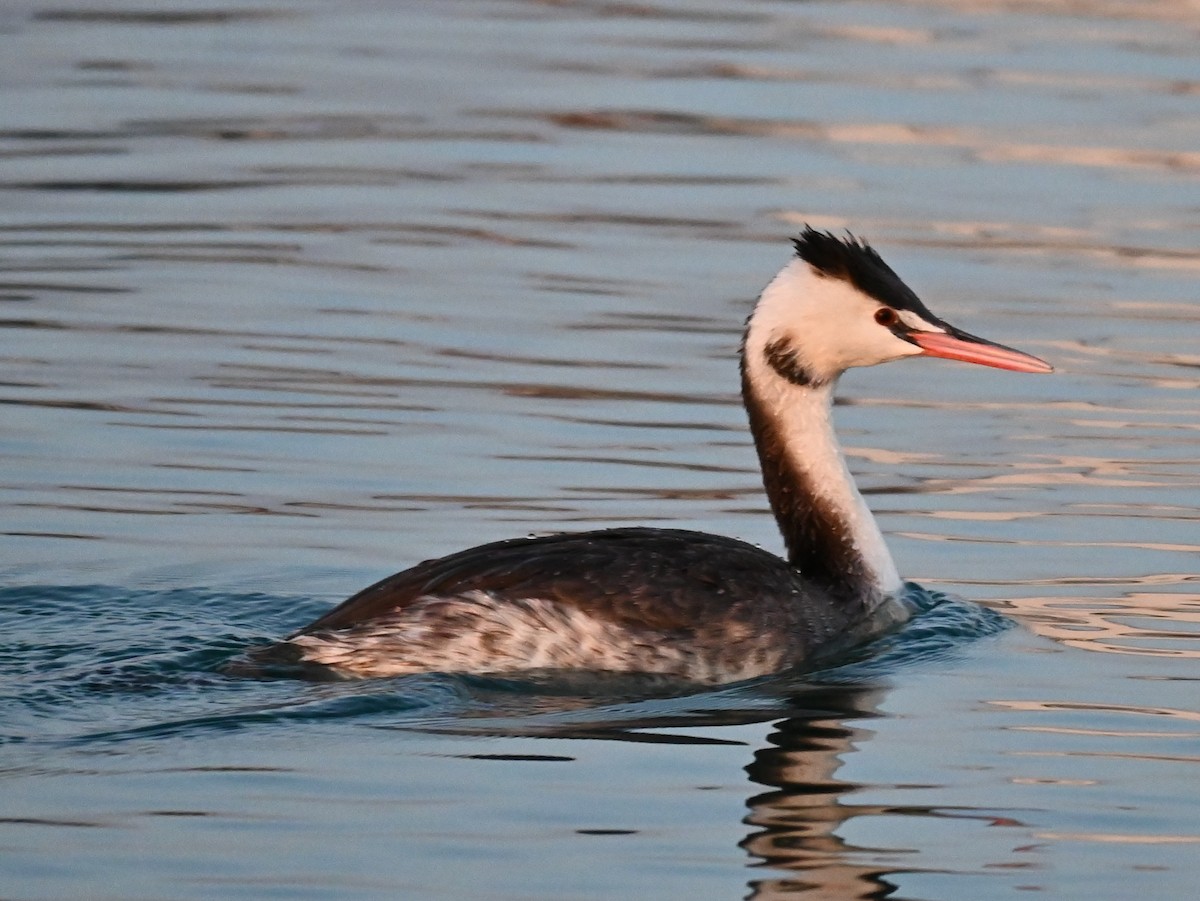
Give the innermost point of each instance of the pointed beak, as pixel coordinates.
(955, 345)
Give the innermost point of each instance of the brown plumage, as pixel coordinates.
(735, 608)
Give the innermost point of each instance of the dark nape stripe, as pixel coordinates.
(818, 543)
(785, 360)
(856, 262)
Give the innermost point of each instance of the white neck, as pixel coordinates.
(830, 533)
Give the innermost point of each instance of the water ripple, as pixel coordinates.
(152, 664)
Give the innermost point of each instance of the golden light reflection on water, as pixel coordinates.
(1171, 713)
(1029, 239)
(1130, 839)
(1085, 10)
(1089, 605)
(984, 146)
(1142, 623)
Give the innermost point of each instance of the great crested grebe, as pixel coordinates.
(688, 605)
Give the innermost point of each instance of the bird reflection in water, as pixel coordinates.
(797, 819)
(794, 822)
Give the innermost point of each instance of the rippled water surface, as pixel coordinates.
(295, 294)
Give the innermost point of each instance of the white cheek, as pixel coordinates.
(875, 344)
(829, 321)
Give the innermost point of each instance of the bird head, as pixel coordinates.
(837, 304)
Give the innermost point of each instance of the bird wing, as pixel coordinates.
(663, 580)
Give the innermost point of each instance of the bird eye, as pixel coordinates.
(886, 317)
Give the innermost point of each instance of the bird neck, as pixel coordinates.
(830, 534)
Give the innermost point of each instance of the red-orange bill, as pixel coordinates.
(975, 350)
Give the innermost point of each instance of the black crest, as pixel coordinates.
(856, 262)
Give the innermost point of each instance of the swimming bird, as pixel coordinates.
(683, 604)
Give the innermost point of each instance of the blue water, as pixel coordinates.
(294, 295)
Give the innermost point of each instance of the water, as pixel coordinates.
(296, 294)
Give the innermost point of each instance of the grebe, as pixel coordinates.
(688, 605)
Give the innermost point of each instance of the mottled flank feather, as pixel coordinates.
(478, 633)
(698, 607)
